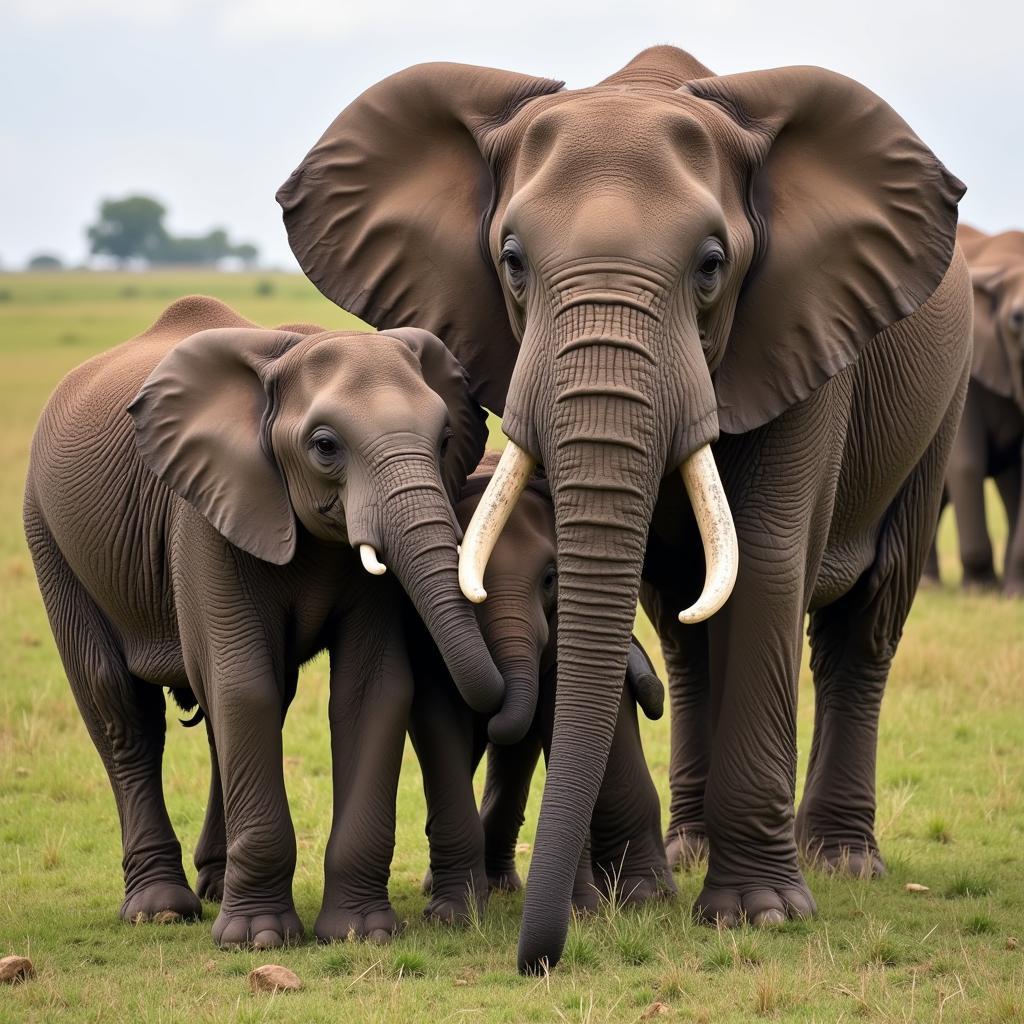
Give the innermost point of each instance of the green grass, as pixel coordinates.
(951, 811)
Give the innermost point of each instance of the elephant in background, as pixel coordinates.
(729, 317)
(990, 441)
(193, 506)
(473, 852)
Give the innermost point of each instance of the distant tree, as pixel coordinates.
(128, 228)
(247, 253)
(45, 261)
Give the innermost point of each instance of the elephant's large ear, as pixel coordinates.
(200, 427)
(385, 212)
(445, 375)
(990, 363)
(857, 219)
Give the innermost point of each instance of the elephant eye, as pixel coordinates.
(446, 439)
(325, 447)
(549, 579)
(711, 260)
(514, 262)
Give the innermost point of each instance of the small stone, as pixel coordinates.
(21, 772)
(273, 978)
(916, 887)
(1012, 943)
(460, 982)
(656, 1009)
(16, 969)
(522, 847)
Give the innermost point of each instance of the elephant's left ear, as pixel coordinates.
(446, 376)
(857, 219)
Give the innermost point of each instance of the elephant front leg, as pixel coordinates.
(442, 730)
(754, 649)
(503, 808)
(1009, 484)
(371, 694)
(246, 712)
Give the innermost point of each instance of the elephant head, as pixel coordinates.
(624, 270)
(363, 439)
(997, 273)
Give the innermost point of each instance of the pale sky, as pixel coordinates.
(209, 104)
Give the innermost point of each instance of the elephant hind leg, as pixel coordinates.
(211, 853)
(126, 720)
(853, 642)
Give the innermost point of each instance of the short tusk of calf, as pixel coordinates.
(717, 531)
(496, 505)
(371, 563)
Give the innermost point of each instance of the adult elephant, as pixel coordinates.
(990, 441)
(631, 273)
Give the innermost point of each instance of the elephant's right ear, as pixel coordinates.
(199, 426)
(384, 214)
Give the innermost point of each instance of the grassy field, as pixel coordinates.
(951, 811)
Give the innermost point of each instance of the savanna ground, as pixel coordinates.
(951, 811)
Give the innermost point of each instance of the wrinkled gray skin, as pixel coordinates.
(764, 262)
(990, 441)
(471, 852)
(289, 445)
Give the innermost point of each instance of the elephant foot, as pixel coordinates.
(458, 897)
(854, 859)
(980, 582)
(258, 930)
(504, 879)
(210, 882)
(686, 847)
(1013, 588)
(348, 924)
(761, 905)
(161, 903)
(586, 898)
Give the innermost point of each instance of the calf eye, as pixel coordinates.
(549, 579)
(325, 446)
(710, 261)
(446, 439)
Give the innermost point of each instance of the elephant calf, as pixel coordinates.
(193, 506)
(472, 853)
(990, 440)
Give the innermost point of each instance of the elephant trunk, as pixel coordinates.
(420, 545)
(517, 645)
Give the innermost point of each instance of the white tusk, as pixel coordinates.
(496, 505)
(370, 561)
(714, 519)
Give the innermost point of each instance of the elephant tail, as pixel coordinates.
(186, 700)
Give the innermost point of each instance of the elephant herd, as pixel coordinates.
(727, 324)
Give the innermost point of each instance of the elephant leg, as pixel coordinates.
(1009, 484)
(371, 697)
(126, 720)
(931, 575)
(442, 731)
(685, 652)
(211, 853)
(503, 808)
(965, 480)
(246, 712)
(627, 850)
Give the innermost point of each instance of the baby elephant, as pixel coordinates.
(193, 506)
(471, 852)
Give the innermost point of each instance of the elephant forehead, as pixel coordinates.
(354, 361)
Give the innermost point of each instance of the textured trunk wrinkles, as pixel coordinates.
(517, 646)
(606, 434)
(419, 544)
